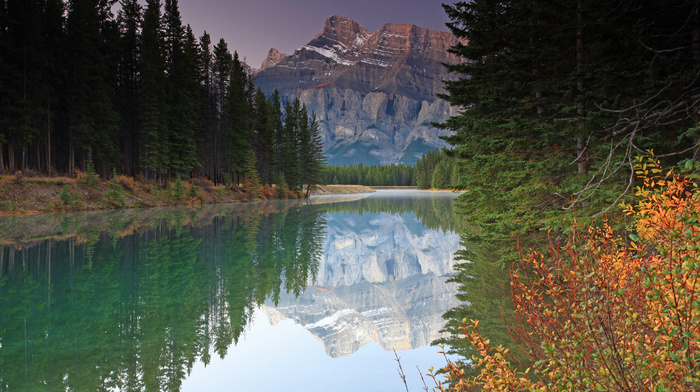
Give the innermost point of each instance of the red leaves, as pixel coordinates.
(603, 314)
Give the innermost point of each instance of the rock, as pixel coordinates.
(373, 93)
(273, 58)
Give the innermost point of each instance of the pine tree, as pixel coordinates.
(251, 180)
(153, 101)
(290, 145)
(311, 153)
(238, 119)
(555, 82)
(221, 73)
(93, 122)
(130, 18)
(182, 71)
(263, 136)
(276, 127)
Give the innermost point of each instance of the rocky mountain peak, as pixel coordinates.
(273, 58)
(375, 94)
(340, 41)
(342, 29)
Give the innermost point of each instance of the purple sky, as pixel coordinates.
(252, 27)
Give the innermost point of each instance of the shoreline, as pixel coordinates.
(21, 195)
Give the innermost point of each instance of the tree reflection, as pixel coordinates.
(134, 311)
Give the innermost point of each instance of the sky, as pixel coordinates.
(252, 27)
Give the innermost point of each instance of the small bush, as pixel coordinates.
(10, 206)
(178, 191)
(19, 179)
(78, 202)
(127, 182)
(269, 192)
(115, 192)
(65, 197)
(193, 192)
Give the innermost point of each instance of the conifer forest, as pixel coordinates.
(133, 89)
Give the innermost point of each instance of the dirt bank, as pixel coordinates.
(26, 195)
(341, 190)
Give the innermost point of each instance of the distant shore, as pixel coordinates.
(30, 195)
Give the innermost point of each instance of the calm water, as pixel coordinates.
(271, 296)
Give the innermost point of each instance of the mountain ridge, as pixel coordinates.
(375, 93)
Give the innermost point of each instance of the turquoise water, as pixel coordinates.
(267, 296)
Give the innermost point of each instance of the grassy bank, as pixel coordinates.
(23, 194)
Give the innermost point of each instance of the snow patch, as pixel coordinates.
(328, 53)
(330, 321)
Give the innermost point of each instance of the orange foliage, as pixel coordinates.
(605, 314)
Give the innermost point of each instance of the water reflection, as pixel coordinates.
(132, 300)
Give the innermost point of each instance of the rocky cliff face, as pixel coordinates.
(381, 278)
(273, 58)
(374, 93)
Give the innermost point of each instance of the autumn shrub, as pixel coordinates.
(605, 313)
(127, 182)
(269, 192)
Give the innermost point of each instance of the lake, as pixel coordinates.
(296, 295)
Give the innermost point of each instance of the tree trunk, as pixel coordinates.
(71, 157)
(11, 156)
(38, 157)
(2, 161)
(581, 111)
(696, 34)
(48, 141)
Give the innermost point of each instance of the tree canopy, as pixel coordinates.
(141, 92)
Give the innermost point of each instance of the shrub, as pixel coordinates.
(127, 182)
(603, 313)
(115, 191)
(91, 178)
(18, 179)
(65, 197)
(178, 191)
(192, 192)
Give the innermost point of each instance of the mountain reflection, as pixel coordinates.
(131, 300)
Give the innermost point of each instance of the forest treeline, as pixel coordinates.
(435, 170)
(140, 93)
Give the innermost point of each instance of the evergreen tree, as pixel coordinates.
(251, 180)
(551, 83)
(153, 101)
(290, 145)
(130, 18)
(276, 127)
(93, 122)
(181, 65)
(238, 119)
(311, 154)
(221, 73)
(263, 136)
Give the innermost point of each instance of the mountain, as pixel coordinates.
(373, 93)
(381, 278)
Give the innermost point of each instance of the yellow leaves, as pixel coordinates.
(600, 313)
